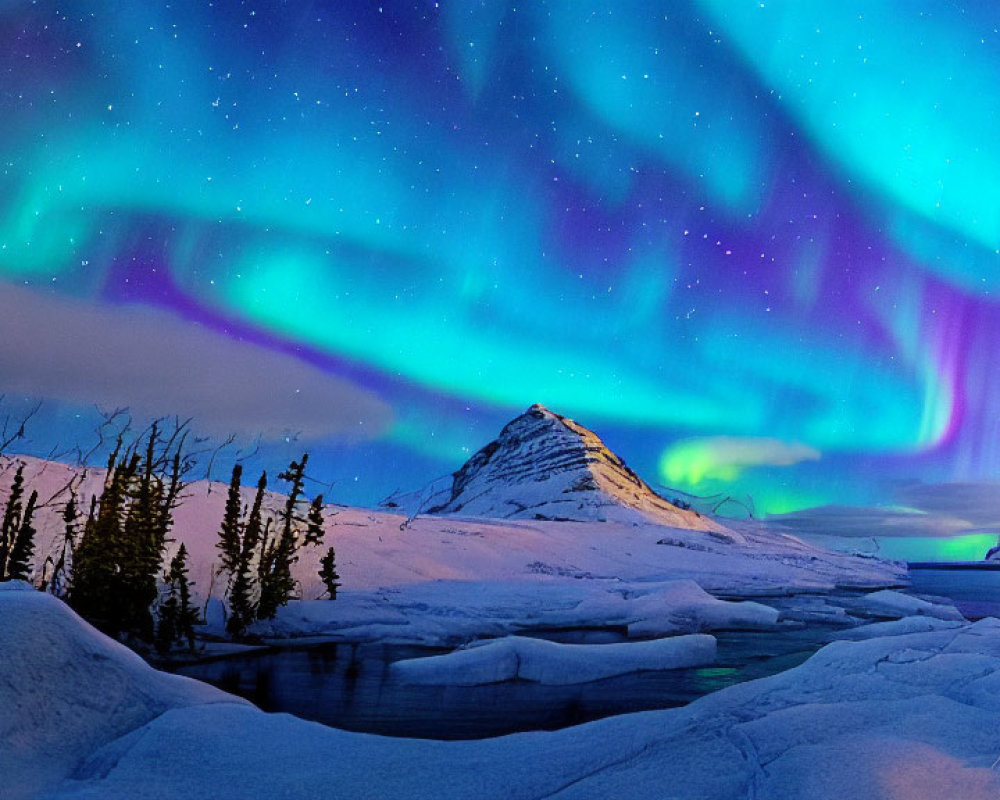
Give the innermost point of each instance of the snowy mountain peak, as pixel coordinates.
(546, 466)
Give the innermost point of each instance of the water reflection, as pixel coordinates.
(350, 685)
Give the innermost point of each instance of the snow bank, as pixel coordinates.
(908, 716)
(541, 661)
(16, 586)
(684, 605)
(896, 605)
(66, 689)
(898, 628)
(435, 612)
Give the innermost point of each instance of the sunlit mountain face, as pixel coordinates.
(753, 244)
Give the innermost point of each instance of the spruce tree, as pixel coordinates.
(271, 575)
(328, 573)
(188, 612)
(119, 557)
(144, 532)
(19, 566)
(290, 518)
(242, 605)
(229, 533)
(266, 553)
(314, 519)
(11, 520)
(168, 623)
(57, 583)
(177, 615)
(278, 555)
(295, 475)
(97, 587)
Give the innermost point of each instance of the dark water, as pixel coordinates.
(349, 686)
(975, 592)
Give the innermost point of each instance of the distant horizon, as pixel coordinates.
(942, 523)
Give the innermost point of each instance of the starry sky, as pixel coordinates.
(754, 245)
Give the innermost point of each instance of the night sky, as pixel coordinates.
(754, 245)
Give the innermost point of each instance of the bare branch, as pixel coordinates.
(110, 420)
(11, 430)
(242, 455)
(214, 454)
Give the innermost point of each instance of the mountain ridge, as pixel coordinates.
(546, 466)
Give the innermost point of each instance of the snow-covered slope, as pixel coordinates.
(445, 578)
(545, 466)
(66, 689)
(910, 716)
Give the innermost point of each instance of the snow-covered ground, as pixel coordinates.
(909, 716)
(452, 578)
(895, 605)
(66, 689)
(903, 712)
(454, 611)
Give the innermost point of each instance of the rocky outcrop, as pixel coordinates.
(545, 466)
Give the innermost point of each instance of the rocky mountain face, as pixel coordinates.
(545, 466)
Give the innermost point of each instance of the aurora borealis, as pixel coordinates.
(753, 244)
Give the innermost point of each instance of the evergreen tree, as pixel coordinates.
(118, 559)
(189, 613)
(167, 626)
(258, 590)
(271, 575)
(11, 520)
(295, 475)
(266, 554)
(314, 519)
(97, 589)
(177, 616)
(242, 605)
(328, 573)
(19, 566)
(57, 583)
(276, 582)
(229, 533)
(144, 533)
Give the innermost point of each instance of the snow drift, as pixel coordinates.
(540, 661)
(66, 689)
(907, 716)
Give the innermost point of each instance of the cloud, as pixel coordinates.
(868, 521)
(693, 461)
(157, 364)
(979, 503)
(928, 509)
